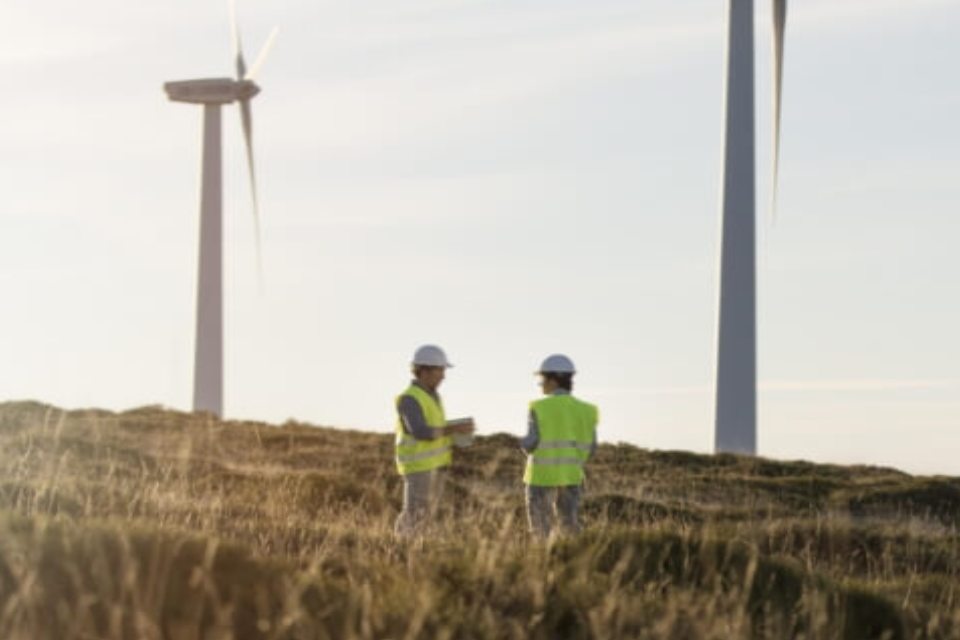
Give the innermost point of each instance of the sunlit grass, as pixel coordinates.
(158, 524)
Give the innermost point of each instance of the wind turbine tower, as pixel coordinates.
(212, 94)
(736, 391)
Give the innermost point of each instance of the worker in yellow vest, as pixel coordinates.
(561, 437)
(424, 440)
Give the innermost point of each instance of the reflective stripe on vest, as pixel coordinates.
(557, 461)
(423, 455)
(567, 427)
(564, 444)
(414, 456)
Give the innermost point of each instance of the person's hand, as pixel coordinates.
(465, 429)
(464, 426)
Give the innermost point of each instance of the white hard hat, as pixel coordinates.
(557, 363)
(430, 355)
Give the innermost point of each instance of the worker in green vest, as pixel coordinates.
(561, 437)
(424, 440)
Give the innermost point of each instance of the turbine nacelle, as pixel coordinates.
(211, 90)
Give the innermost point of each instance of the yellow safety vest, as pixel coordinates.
(414, 455)
(567, 427)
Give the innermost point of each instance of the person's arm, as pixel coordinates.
(530, 441)
(414, 422)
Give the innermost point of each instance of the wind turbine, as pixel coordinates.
(736, 399)
(213, 93)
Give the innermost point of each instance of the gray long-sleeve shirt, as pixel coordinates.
(412, 418)
(530, 441)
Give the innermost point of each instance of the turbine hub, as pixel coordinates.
(246, 89)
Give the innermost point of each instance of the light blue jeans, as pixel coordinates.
(547, 504)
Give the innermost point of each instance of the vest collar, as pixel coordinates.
(432, 394)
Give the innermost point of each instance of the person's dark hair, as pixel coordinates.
(563, 380)
(420, 368)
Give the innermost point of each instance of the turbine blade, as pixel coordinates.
(237, 45)
(246, 120)
(779, 29)
(255, 69)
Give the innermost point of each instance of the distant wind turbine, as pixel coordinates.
(212, 93)
(736, 394)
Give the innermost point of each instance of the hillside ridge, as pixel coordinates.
(240, 526)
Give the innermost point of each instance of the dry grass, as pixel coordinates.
(158, 524)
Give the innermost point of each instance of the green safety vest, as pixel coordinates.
(567, 427)
(415, 455)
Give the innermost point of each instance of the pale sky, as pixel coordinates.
(504, 178)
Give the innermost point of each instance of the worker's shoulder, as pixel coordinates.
(413, 390)
(407, 395)
(585, 407)
(560, 399)
(539, 402)
(588, 405)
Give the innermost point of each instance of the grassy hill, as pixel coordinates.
(158, 524)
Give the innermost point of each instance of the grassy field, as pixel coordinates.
(158, 524)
